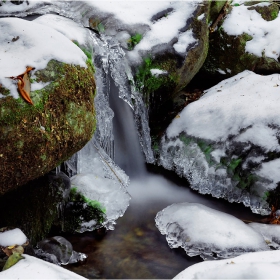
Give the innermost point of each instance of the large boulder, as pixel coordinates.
(36, 138)
(247, 38)
(227, 142)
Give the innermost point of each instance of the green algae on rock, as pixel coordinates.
(35, 139)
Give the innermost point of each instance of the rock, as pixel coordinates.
(245, 39)
(36, 139)
(227, 143)
(36, 206)
(206, 232)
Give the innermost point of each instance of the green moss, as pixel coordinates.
(82, 209)
(45, 128)
(146, 83)
(134, 40)
(268, 13)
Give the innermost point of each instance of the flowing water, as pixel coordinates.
(136, 249)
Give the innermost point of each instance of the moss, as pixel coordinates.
(268, 13)
(148, 84)
(134, 40)
(82, 209)
(45, 128)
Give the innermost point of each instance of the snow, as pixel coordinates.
(33, 268)
(69, 28)
(185, 39)
(24, 43)
(220, 104)
(111, 196)
(203, 231)
(271, 170)
(271, 233)
(139, 17)
(12, 237)
(266, 36)
(157, 72)
(258, 265)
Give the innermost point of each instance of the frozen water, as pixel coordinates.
(258, 265)
(113, 197)
(209, 233)
(58, 250)
(271, 234)
(222, 142)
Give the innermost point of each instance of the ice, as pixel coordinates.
(222, 142)
(58, 250)
(209, 233)
(12, 237)
(271, 234)
(34, 268)
(258, 265)
(113, 197)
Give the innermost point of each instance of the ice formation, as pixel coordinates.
(209, 233)
(270, 233)
(224, 142)
(112, 197)
(12, 237)
(258, 265)
(58, 250)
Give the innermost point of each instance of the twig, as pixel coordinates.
(223, 12)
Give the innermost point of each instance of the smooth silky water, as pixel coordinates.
(136, 249)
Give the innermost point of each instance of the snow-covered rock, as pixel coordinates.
(248, 38)
(227, 142)
(209, 233)
(61, 87)
(258, 265)
(33, 268)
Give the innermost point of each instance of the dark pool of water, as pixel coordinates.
(136, 249)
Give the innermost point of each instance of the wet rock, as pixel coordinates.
(36, 206)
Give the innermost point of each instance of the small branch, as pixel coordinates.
(223, 12)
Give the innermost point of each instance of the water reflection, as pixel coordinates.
(136, 249)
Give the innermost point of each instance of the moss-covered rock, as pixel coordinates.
(228, 54)
(35, 139)
(161, 90)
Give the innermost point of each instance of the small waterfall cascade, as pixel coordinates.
(110, 64)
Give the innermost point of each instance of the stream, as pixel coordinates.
(136, 249)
